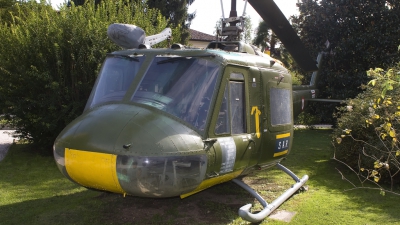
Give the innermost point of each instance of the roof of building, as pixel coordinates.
(200, 36)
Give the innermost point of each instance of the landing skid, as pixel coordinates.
(244, 211)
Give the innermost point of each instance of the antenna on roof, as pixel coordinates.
(129, 36)
(244, 10)
(222, 8)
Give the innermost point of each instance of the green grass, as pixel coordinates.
(326, 202)
(33, 191)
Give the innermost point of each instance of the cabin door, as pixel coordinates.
(278, 117)
(232, 129)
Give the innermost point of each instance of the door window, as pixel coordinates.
(231, 117)
(280, 106)
(237, 107)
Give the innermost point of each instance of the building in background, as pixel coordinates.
(199, 39)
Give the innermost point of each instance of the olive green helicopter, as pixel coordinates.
(175, 121)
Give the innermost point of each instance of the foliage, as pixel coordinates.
(175, 11)
(10, 8)
(262, 36)
(296, 78)
(305, 118)
(49, 61)
(218, 25)
(6, 7)
(368, 130)
(362, 34)
(247, 30)
(267, 40)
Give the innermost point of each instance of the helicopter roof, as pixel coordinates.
(225, 57)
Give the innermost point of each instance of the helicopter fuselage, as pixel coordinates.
(172, 122)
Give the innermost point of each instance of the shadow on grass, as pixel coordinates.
(91, 207)
(217, 205)
(33, 191)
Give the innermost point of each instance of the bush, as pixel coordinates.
(49, 61)
(306, 118)
(367, 130)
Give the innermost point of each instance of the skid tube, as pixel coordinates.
(244, 211)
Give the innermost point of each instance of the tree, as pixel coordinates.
(247, 30)
(263, 36)
(49, 61)
(173, 10)
(11, 8)
(267, 39)
(363, 34)
(176, 12)
(5, 8)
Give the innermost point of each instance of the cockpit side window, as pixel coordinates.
(115, 78)
(180, 86)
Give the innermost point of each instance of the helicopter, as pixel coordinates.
(175, 121)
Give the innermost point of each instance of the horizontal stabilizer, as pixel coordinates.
(326, 100)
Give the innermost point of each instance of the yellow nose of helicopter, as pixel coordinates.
(131, 150)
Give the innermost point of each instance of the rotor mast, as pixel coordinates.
(229, 27)
(233, 12)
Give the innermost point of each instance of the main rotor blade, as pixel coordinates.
(278, 23)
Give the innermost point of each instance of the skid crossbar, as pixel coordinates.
(244, 211)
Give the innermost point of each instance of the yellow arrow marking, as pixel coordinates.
(257, 113)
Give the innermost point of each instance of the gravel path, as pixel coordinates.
(5, 141)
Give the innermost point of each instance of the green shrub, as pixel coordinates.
(296, 78)
(306, 118)
(367, 129)
(49, 61)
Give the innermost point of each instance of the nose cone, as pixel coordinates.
(96, 130)
(133, 150)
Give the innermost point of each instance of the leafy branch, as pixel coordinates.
(377, 139)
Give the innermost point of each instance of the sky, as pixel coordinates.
(208, 12)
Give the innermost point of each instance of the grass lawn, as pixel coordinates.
(33, 191)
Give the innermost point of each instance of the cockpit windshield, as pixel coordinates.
(115, 78)
(180, 86)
